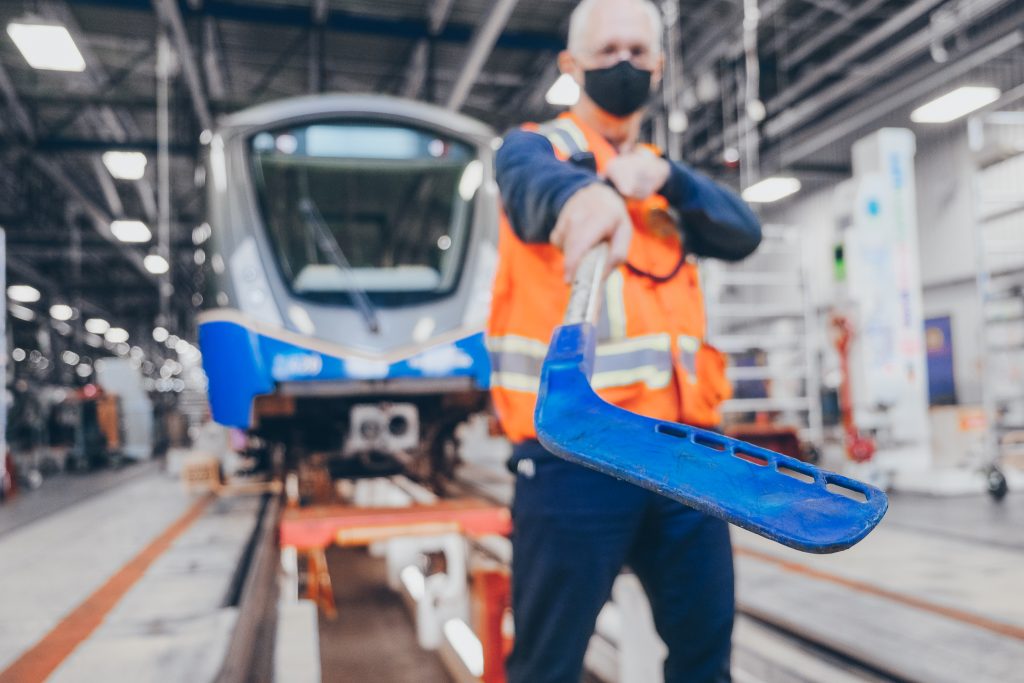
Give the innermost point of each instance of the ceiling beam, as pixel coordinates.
(805, 113)
(822, 38)
(901, 92)
(100, 218)
(213, 64)
(147, 197)
(299, 16)
(170, 14)
(107, 187)
(484, 40)
(833, 6)
(22, 120)
(105, 120)
(866, 73)
(320, 10)
(416, 71)
(842, 61)
(121, 100)
(89, 145)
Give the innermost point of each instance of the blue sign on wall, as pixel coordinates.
(939, 343)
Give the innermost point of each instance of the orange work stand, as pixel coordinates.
(311, 530)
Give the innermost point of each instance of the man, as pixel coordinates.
(567, 185)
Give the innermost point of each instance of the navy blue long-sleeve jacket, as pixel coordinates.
(535, 185)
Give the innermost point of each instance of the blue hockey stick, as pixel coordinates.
(771, 494)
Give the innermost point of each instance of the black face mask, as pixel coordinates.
(620, 90)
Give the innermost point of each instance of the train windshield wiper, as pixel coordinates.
(329, 245)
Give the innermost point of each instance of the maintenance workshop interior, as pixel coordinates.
(439, 340)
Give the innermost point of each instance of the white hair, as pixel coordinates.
(580, 18)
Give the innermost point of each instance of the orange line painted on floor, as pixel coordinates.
(37, 663)
(999, 627)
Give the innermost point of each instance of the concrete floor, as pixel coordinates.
(956, 563)
(933, 594)
(952, 595)
(65, 489)
(973, 519)
(172, 621)
(54, 563)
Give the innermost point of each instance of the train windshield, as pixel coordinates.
(364, 210)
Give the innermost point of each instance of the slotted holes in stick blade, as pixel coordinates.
(750, 457)
(709, 442)
(672, 430)
(797, 474)
(681, 432)
(846, 492)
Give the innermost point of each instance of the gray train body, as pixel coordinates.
(353, 247)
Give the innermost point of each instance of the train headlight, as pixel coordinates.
(383, 428)
(370, 430)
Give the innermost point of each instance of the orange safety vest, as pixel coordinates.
(651, 356)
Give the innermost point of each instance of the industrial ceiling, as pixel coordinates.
(829, 70)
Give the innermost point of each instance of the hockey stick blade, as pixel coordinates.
(770, 494)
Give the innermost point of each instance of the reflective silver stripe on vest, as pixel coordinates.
(516, 362)
(688, 347)
(614, 305)
(564, 136)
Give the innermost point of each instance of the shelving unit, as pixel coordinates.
(762, 306)
(997, 142)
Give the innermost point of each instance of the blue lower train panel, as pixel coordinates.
(241, 364)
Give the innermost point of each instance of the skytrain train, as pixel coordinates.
(354, 242)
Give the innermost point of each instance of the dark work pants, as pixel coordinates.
(574, 529)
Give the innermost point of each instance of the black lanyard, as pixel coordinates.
(659, 279)
(588, 161)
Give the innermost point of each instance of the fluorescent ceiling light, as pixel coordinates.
(116, 335)
(201, 233)
(955, 104)
(21, 313)
(156, 264)
(564, 92)
(125, 165)
(25, 294)
(97, 325)
(61, 312)
(46, 46)
(130, 231)
(771, 189)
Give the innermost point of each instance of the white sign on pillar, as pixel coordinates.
(888, 362)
